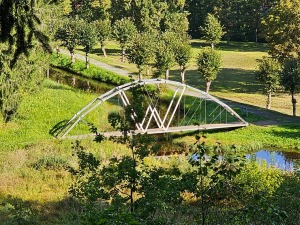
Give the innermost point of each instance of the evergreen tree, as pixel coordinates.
(19, 28)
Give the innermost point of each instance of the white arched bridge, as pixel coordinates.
(165, 106)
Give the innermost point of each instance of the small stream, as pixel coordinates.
(289, 161)
(85, 84)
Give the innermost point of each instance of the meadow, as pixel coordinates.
(33, 180)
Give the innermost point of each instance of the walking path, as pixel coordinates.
(269, 117)
(98, 63)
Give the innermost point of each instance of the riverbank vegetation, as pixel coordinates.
(167, 179)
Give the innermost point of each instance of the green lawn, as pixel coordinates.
(235, 81)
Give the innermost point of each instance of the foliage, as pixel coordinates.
(103, 28)
(86, 35)
(209, 62)
(212, 30)
(18, 23)
(87, 185)
(290, 79)
(215, 173)
(164, 53)
(182, 53)
(67, 34)
(269, 75)
(123, 31)
(281, 29)
(141, 51)
(92, 72)
(24, 78)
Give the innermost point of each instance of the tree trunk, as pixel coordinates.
(294, 102)
(123, 55)
(182, 73)
(57, 51)
(208, 83)
(140, 74)
(147, 70)
(86, 60)
(167, 74)
(103, 50)
(48, 73)
(72, 57)
(212, 45)
(269, 99)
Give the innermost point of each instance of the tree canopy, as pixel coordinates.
(19, 26)
(282, 29)
(209, 62)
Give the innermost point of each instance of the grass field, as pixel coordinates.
(235, 81)
(32, 162)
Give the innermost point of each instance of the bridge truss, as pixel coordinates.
(167, 106)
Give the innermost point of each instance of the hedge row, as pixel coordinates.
(93, 72)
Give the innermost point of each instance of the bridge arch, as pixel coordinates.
(184, 109)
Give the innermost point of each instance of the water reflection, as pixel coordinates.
(81, 83)
(289, 161)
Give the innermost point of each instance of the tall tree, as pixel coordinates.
(87, 37)
(212, 30)
(183, 53)
(282, 29)
(209, 62)
(141, 51)
(164, 54)
(123, 31)
(268, 75)
(67, 34)
(290, 79)
(19, 28)
(103, 28)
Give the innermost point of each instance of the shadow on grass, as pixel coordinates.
(233, 80)
(109, 51)
(54, 131)
(233, 46)
(19, 211)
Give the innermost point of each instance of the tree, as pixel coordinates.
(87, 37)
(141, 51)
(290, 79)
(123, 31)
(182, 53)
(209, 62)
(212, 30)
(103, 28)
(18, 23)
(269, 75)
(282, 29)
(24, 78)
(164, 54)
(68, 36)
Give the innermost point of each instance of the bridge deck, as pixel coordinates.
(169, 130)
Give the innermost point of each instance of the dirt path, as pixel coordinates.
(269, 117)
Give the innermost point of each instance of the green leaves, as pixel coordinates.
(208, 62)
(212, 30)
